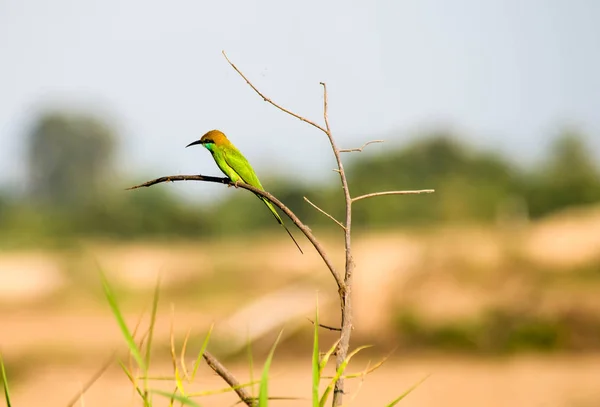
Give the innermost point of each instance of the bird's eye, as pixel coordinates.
(209, 141)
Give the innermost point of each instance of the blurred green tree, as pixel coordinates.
(4, 208)
(569, 176)
(68, 156)
(470, 185)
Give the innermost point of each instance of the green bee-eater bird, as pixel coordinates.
(236, 167)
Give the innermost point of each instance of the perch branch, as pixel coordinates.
(360, 149)
(303, 228)
(230, 379)
(420, 191)
(325, 213)
(173, 178)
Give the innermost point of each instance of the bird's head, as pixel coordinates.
(211, 139)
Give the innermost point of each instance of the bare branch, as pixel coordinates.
(416, 192)
(173, 178)
(331, 328)
(325, 213)
(229, 378)
(360, 149)
(344, 282)
(345, 290)
(266, 99)
(325, 111)
(305, 229)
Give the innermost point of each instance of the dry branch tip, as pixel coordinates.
(383, 193)
(360, 149)
(331, 328)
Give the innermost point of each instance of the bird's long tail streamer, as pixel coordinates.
(279, 220)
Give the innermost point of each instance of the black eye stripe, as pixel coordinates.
(208, 141)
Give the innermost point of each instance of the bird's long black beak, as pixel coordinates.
(194, 143)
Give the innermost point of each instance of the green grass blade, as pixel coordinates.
(133, 348)
(316, 367)
(5, 382)
(407, 392)
(202, 350)
(152, 322)
(263, 394)
(179, 382)
(132, 380)
(151, 335)
(327, 355)
(339, 373)
(186, 401)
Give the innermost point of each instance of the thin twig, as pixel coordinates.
(325, 213)
(266, 99)
(230, 379)
(360, 149)
(416, 192)
(92, 380)
(331, 328)
(305, 229)
(345, 292)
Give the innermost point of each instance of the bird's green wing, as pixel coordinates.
(238, 163)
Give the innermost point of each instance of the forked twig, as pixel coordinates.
(325, 213)
(416, 192)
(360, 149)
(266, 99)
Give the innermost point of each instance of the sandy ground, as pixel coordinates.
(55, 350)
(50, 379)
(532, 381)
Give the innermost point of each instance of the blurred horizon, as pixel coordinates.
(501, 76)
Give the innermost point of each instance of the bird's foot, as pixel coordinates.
(235, 184)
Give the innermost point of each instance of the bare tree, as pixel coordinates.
(342, 279)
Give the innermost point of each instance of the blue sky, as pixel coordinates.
(504, 73)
